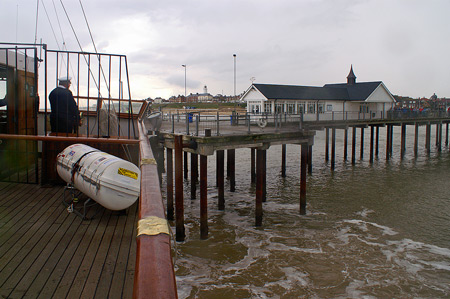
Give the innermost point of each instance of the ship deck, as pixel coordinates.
(46, 252)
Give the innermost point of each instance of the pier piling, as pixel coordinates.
(353, 145)
(283, 160)
(252, 165)
(259, 187)
(371, 143)
(194, 175)
(333, 147)
(220, 179)
(179, 206)
(361, 152)
(304, 156)
(403, 141)
(169, 161)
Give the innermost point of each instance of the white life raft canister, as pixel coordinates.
(110, 181)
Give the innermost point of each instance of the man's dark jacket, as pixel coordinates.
(65, 114)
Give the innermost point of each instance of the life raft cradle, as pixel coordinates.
(72, 200)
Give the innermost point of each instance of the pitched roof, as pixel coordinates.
(342, 91)
(358, 91)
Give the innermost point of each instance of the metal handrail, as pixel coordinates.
(154, 273)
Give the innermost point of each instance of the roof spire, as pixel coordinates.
(351, 78)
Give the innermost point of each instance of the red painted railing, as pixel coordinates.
(154, 273)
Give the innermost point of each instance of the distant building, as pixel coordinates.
(371, 98)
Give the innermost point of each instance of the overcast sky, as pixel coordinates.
(404, 43)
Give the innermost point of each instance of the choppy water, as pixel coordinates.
(371, 231)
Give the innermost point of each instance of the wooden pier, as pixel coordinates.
(46, 252)
(258, 140)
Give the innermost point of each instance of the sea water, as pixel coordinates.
(378, 230)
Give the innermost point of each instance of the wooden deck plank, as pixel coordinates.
(111, 265)
(49, 253)
(51, 274)
(129, 275)
(15, 255)
(72, 270)
(11, 195)
(100, 258)
(118, 281)
(88, 260)
(38, 218)
(14, 217)
(30, 268)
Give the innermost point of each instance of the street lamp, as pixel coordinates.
(234, 56)
(184, 65)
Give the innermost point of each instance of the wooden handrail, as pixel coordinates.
(69, 137)
(154, 273)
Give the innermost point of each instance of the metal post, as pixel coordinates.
(345, 143)
(333, 147)
(220, 178)
(388, 137)
(218, 120)
(252, 165)
(197, 119)
(173, 123)
(203, 197)
(187, 123)
(403, 141)
(371, 143)
(377, 138)
(231, 158)
(194, 175)
(169, 161)
(361, 153)
(327, 143)
(310, 159)
(179, 207)
(283, 160)
(259, 187)
(264, 197)
(446, 134)
(353, 145)
(185, 160)
(416, 139)
(304, 156)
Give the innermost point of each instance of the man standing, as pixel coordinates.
(65, 116)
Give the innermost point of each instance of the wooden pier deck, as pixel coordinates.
(46, 252)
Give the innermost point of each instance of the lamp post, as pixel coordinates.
(184, 65)
(234, 56)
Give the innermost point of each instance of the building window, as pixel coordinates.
(321, 107)
(290, 108)
(311, 107)
(329, 107)
(301, 108)
(279, 108)
(268, 107)
(364, 108)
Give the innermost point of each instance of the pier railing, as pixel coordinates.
(154, 272)
(195, 123)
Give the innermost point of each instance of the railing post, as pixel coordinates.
(187, 123)
(173, 123)
(197, 119)
(247, 117)
(218, 121)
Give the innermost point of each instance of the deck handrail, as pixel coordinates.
(69, 137)
(154, 273)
